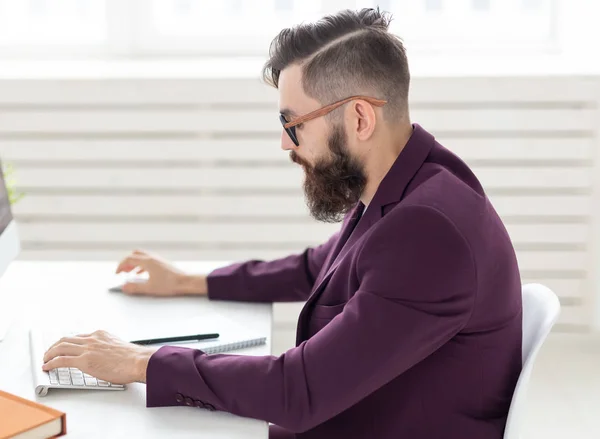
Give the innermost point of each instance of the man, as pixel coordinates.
(412, 322)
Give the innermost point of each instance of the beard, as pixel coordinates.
(334, 184)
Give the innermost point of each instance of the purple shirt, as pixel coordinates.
(411, 327)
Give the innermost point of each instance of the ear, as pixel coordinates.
(363, 120)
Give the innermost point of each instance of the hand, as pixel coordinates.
(163, 278)
(100, 355)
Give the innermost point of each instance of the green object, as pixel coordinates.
(13, 194)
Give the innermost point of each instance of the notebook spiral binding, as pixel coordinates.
(234, 346)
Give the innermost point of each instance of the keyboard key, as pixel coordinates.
(90, 381)
(76, 374)
(53, 375)
(117, 385)
(78, 382)
(64, 380)
(103, 383)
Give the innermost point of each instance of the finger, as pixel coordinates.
(135, 287)
(63, 349)
(140, 270)
(140, 252)
(57, 362)
(127, 263)
(131, 262)
(78, 339)
(123, 267)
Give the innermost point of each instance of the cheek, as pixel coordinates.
(315, 146)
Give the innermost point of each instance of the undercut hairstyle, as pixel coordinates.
(345, 54)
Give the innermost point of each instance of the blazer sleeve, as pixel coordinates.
(287, 279)
(417, 290)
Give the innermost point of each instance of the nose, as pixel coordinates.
(286, 143)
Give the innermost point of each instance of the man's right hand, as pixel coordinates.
(163, 278)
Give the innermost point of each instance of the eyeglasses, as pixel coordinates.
(290, 126)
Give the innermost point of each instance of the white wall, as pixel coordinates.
(191, 168)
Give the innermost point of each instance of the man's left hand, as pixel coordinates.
(100, 355)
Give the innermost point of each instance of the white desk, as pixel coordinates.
(30, 290)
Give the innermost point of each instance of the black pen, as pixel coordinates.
(194, 337)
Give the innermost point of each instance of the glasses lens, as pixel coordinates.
(290, 131)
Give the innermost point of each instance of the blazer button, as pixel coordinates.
(199, 404)
(209, 407)
(189, 401)
(179, 397)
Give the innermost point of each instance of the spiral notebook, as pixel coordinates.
(232, 335)
(218, 347)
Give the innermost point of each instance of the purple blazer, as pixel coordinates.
(411, 327)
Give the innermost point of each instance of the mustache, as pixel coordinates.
(296, 159)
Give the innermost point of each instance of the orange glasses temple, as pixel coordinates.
(331, 107)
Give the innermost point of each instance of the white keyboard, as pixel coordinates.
(62, 378)
(74, 377)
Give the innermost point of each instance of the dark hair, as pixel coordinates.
(344, 54)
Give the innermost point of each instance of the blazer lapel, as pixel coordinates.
(371, 216)
(347, 227)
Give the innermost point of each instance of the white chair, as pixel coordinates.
(541, 309)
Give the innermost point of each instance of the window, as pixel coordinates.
(473, 24)
(47, 23)
(245, 27)
(228, 26)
